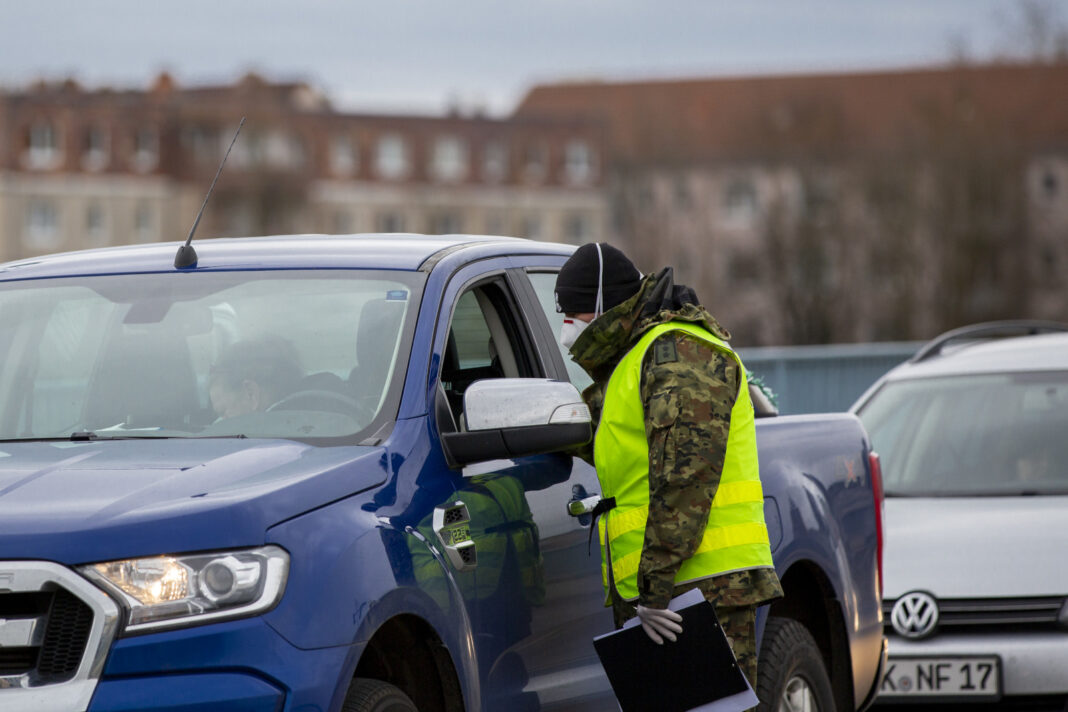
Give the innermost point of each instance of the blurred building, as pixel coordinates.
(805, 209)
(842, 207)
(85, 168)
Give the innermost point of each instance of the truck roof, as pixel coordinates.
(370, 251)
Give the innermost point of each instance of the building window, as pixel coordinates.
(144, 223)
(535, 161)
(391, 157)
(343, 222)
(282, 150)
(745, 266)
(95, 231)
(240, 218)
(203, 143)
(495, 162)
(146, 150)
(1049, 183)
(578, 228)
(496, 224)
(246, 150)
(445, 223)
(449, 162)
(344, 160)
(683, 194)
(818, 195)
(740, 202)
(44, 149)
(389, 222)
(531, 228)
(578, 162)
(42, 225)
(97, 146)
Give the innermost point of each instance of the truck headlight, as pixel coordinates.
(174, 591)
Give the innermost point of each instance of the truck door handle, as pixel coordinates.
(452, 525)
(581, 504)
(579, 507)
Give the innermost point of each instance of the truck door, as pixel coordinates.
(537, 601)
(578, 603)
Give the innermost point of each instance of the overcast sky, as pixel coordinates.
(418, 56)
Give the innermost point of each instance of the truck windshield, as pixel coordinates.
(981, 435)
(281, 354)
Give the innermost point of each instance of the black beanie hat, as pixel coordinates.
(576, 285)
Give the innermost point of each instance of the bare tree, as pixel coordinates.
(1035, 31)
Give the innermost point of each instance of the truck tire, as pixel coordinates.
(791, 676)
(367, 695)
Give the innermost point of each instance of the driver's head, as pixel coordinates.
(251, 375)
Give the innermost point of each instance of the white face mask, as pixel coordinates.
(571, 328)
(570, 331)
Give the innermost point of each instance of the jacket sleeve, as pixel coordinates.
(688, 390)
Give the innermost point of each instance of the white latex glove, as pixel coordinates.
(657, 622)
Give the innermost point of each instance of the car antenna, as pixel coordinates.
(187, 256)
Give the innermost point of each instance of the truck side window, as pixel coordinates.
(485, 341)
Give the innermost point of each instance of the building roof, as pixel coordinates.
(752, 117)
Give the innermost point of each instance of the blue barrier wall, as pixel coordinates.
(819, 379)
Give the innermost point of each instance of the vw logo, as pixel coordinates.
(915, 615)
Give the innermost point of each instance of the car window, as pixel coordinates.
(544, 284)
(485, 340)
(258, 354)
(972, 435)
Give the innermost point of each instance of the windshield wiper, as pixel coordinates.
(89, 435)
(83, 436)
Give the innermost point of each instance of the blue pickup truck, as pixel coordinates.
(326, 473)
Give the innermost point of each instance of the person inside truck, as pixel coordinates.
(681, 509)
(252, 375)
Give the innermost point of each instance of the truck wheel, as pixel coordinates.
(367, 695)
(791, 676)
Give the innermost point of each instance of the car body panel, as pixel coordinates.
(90, 501)
(823, 504)
(948, 546)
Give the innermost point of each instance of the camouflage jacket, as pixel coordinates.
(688, 389)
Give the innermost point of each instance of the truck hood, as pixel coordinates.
(79, 502)
(976, 547)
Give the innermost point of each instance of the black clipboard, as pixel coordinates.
(697, 669)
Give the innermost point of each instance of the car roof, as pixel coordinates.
(370, 251)
(1040, 352)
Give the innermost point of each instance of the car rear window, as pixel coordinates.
(995, 434)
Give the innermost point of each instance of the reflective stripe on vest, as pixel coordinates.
(735, 536)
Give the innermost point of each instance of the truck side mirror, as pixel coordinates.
(515, 417)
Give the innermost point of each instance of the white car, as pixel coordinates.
(973, 437)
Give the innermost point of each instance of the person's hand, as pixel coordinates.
(660, 623)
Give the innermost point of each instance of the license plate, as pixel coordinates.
(967, 677)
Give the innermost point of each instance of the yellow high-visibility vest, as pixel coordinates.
(735, 537)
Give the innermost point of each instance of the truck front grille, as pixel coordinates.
(69, 623)
(15, 661)
(55, 632)
(1003, 614)
(50, 629)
